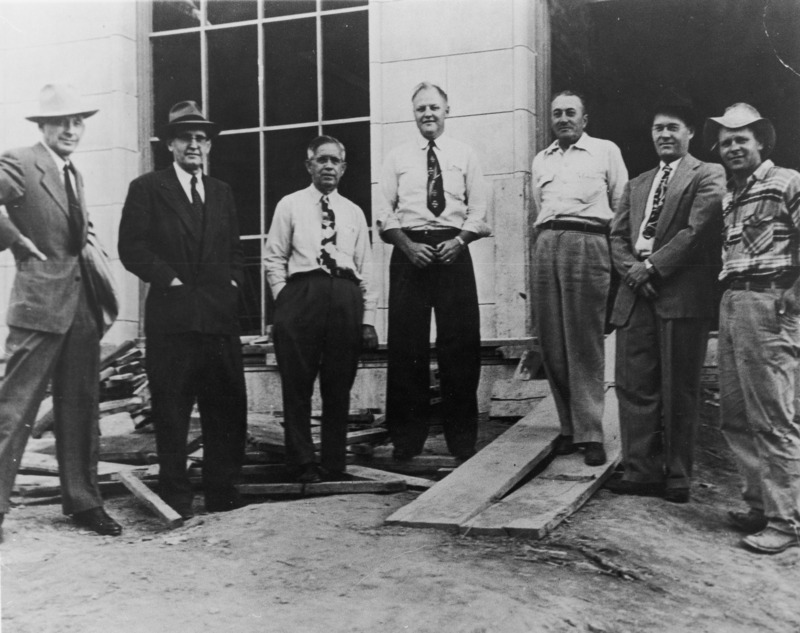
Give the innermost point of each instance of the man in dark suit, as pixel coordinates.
(53, 318)
(664, 242)
(179, 233)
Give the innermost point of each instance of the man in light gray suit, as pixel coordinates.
(55, 322)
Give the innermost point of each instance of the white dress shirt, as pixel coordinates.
(185, 178)
(644, 246)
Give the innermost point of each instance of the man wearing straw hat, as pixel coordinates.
(179, 233)
(759, 331)
(53, 317)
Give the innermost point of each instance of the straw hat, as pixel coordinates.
(186, 114)
(60, 100)
(737, 116)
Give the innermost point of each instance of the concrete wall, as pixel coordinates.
(92, 45)
(484, 54)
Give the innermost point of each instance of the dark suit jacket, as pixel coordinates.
(160, 239)
(686, 251)
(45, 295)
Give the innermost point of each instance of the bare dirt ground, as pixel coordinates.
(329, 565)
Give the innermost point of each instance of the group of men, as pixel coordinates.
(658, 233)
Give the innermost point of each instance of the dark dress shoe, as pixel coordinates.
(309, 474)
(186, 512)
(97, 520)
(749, 522)
(564, 445)
(224, 504)
(594, 454)
(625, 487)
(677, 495)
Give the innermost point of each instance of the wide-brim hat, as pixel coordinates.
(186, 114)
(737, 116)
(60, 100)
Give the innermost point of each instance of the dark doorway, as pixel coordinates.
(624, 55)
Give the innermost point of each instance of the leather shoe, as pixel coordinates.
(677, 495)
(594, 454)
(224, 504)
(186, 512)
(309, 474)
(625, 487)
(748, 522)
(564, 445)
(97, 520)
(770, 541)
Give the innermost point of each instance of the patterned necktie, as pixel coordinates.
(75, 212)
(197, 204)
(327, 257)
(436, 200)
(658, 204)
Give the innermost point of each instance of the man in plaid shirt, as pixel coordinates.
(759, 332)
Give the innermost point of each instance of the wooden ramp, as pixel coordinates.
(486, 477)
(537, 507)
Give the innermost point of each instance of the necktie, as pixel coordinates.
(75, 212)
(197, 204)
(327, 257)
(658, 204)
(436, 200)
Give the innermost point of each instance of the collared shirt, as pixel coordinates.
(185, 178)
(584, 181)
(60, 162)
(762, 225)
(404, 182)
(644, 246)
(294, 243)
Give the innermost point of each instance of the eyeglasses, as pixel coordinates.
(202, 139)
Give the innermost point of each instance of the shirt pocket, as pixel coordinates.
(346, 240)
(590, 185)
(453, 179)
(758, 232)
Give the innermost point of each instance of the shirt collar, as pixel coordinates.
(185, 177)
(759, 174)
(584, 143)
(316, 194)
(60, 162)
(440, 141)
(673, 165)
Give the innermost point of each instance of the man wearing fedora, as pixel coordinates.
(759, 330)
(179, 233)
(53, 317)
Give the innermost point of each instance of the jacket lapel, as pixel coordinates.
(639, 203)
(51, 179)
(677, 184)
(178, 202)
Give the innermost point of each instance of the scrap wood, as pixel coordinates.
(419, 465)
(48, 486)
(323, 488)
(169, 517)
(413, 483)
(41, 464)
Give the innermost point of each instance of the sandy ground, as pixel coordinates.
(329, 565)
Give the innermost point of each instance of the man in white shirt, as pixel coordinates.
(434, 205)
(318, 261)
(577, 182)
(665, 246)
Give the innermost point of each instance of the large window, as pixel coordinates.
(274, 74)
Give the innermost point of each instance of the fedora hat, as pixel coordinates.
(60, 100)
(736, 116)
(186, 114)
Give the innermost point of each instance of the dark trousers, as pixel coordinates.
(72, 361)
(449, 290)
(317, 331)
(183, 368)
(658, 369)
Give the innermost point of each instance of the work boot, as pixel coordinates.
(770, 540)
(594, 454)
(748, 522)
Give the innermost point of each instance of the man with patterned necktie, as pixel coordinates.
(319, 267)
(665, 246)
(54, 323)
(179, 233)
(435, 204)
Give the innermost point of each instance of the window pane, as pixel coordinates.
(162, 157)
(356, 182)
(224, 11)
(176, 73)
(345, 66)
(233, 77)
(174, 14)
(250, 295)
(285, 169)
(277, 8)
(234, 159)
(328, 5)
(290, 72)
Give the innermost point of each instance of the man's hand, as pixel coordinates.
(647, 291)
(369, 338)
(24, 246)
(789, 302)
(421, 255)
(636, 276)
(448, 250)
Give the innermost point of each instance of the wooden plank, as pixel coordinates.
(487, 476)
(324, 488)
(169, 517)
(413, 483)
(40, 464)
(539, 506)
(419, 465)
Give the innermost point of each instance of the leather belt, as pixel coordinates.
(572, 225)
(758, 286)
